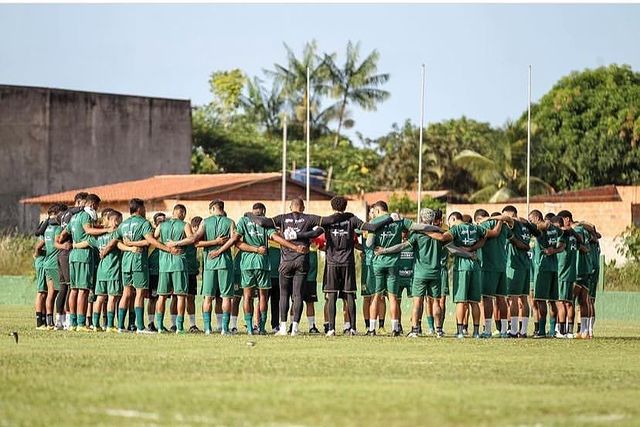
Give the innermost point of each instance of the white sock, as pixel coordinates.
(192, 319)
(394, 325)
(373, 324)
(584, 325)
(234, 322)
(514, 325)
(525, 325)
(219, 321)
(312, 321)
(294, 326)
(503, 326)
(487, 325)
(283, 326)
(592, 321)
(347, 325)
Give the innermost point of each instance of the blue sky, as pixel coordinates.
(476, 55)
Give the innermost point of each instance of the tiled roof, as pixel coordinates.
(161, 187)
(607, 193)
(374, 196)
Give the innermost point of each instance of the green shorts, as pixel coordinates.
(54, 275)
(256, 278)
(444, 281)
(81, 275)
(494, 283)
(545, 286)
(467, 285)
(41, 281)
(565, 291)
(385, 280)
(174, 282)
(137, 279)
(113, 288)
(426, 287)
(367, 281)
(404, 283)
(217, 282)
(517, 282)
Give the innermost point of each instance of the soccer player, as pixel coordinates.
(41, 284)
(50, 262)
(154, 263)
(405, 277)
(274, 292)
(493, 262)
(545, 264)
(81, 261)
(193, 269)
(467, 280)
(293, 264)
(173, 278)
(136, 231)
(310, 286)
(254, 264)
(566, 275)
(518, 272)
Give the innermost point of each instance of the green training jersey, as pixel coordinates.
(254, 235)
(134, 228)
(367, 251)
(567, 258)
(387, 236)
(312, 274)
(518, 259)
(172, 230)
(109, 266)
(76, 228)
(405, 264)
(584, 260)
(493, 255)
(153, 257)
(428, 255)
(216, 226)
(550, 238)
(274, 261)
(51, 257)
(466, 235)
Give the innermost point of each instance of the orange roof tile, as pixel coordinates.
(161, 187)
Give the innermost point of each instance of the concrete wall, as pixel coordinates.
(54, 140)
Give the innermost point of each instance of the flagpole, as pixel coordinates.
(284, 163)
(420, 144)
(308, 141)
(529, 140)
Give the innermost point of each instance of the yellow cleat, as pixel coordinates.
(382, 331)
(84, 329)
(97, 329)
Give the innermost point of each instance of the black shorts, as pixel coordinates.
(63, 268)
(192, 286)
(297, 267)
(340, 278)
(153, 285)
(310, 292)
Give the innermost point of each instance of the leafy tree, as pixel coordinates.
(202, 162)
(588, 129)
(403, 204)
(226, 87)
(264, 106)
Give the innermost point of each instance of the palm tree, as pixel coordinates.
(264, 107)
(354, 83)
(502, 173)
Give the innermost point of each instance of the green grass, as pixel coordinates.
(16, 253)
(75, 378)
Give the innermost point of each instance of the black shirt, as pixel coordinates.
(340, 237)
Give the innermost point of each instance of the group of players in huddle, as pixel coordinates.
(94, 268)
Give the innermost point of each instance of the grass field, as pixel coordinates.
(79, 378)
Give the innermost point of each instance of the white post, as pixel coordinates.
(529, 142)
(308, 141)
(284, 163)
(420, 144)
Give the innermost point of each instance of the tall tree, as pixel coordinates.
(356, 83)
(226, 87)
(264, 106)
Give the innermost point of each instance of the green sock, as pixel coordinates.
(159, 321)
(73, 320)
(542, 326)
(226, 318)
(206, 317)
(430, 323)
(139, 318)
(132, 318)
(110, 316)
(263, 321)
(82, 320)
(96, 319)
(552, 325)
(180, 323)
(122, 312)
(248, 320)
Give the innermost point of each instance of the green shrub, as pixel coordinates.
(16, 254)
(623, 278)
(404, 205)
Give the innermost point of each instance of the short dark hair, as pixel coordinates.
(566, 214)
(114, 213)
(297, 203)
(63, 207)
(339, 203)
(195, 221)
(80, 196)
(259, 205)
(557, 220)
(54, 209)
(549, 215)
(457, 215)
(158, 215)
(480, 213)
(382, 205)
(135, 205)
(536, 214)
(438, 215)
(93, 198)
(217, 203)
(467, 219)
(180, 207)
(510, 208)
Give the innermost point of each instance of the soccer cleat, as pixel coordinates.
(400, 329)
(181, 332)
(152, 328)
(194, 330)
(495, 334)
(84, 329)
(143, 332)
(460, 336)
(510, 335)
(262, 332)
(487, 335)
(476, 335)
(465, 331)
(352, 333)
(281, 333)
(431, 331)
(439, 334)
(173, 328)
(412, 334)
(132, 328)
(371, 333)
(382, 331)
(59, 327)
(51, 328)
(234, 331)
(538, 336)
(569, 336)
(396, 333)
(207, 332)
(123, 331)
(315, 331)
(294, 333)
(97, 329)
(331, 333)
(290, 329)
(346, 331)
